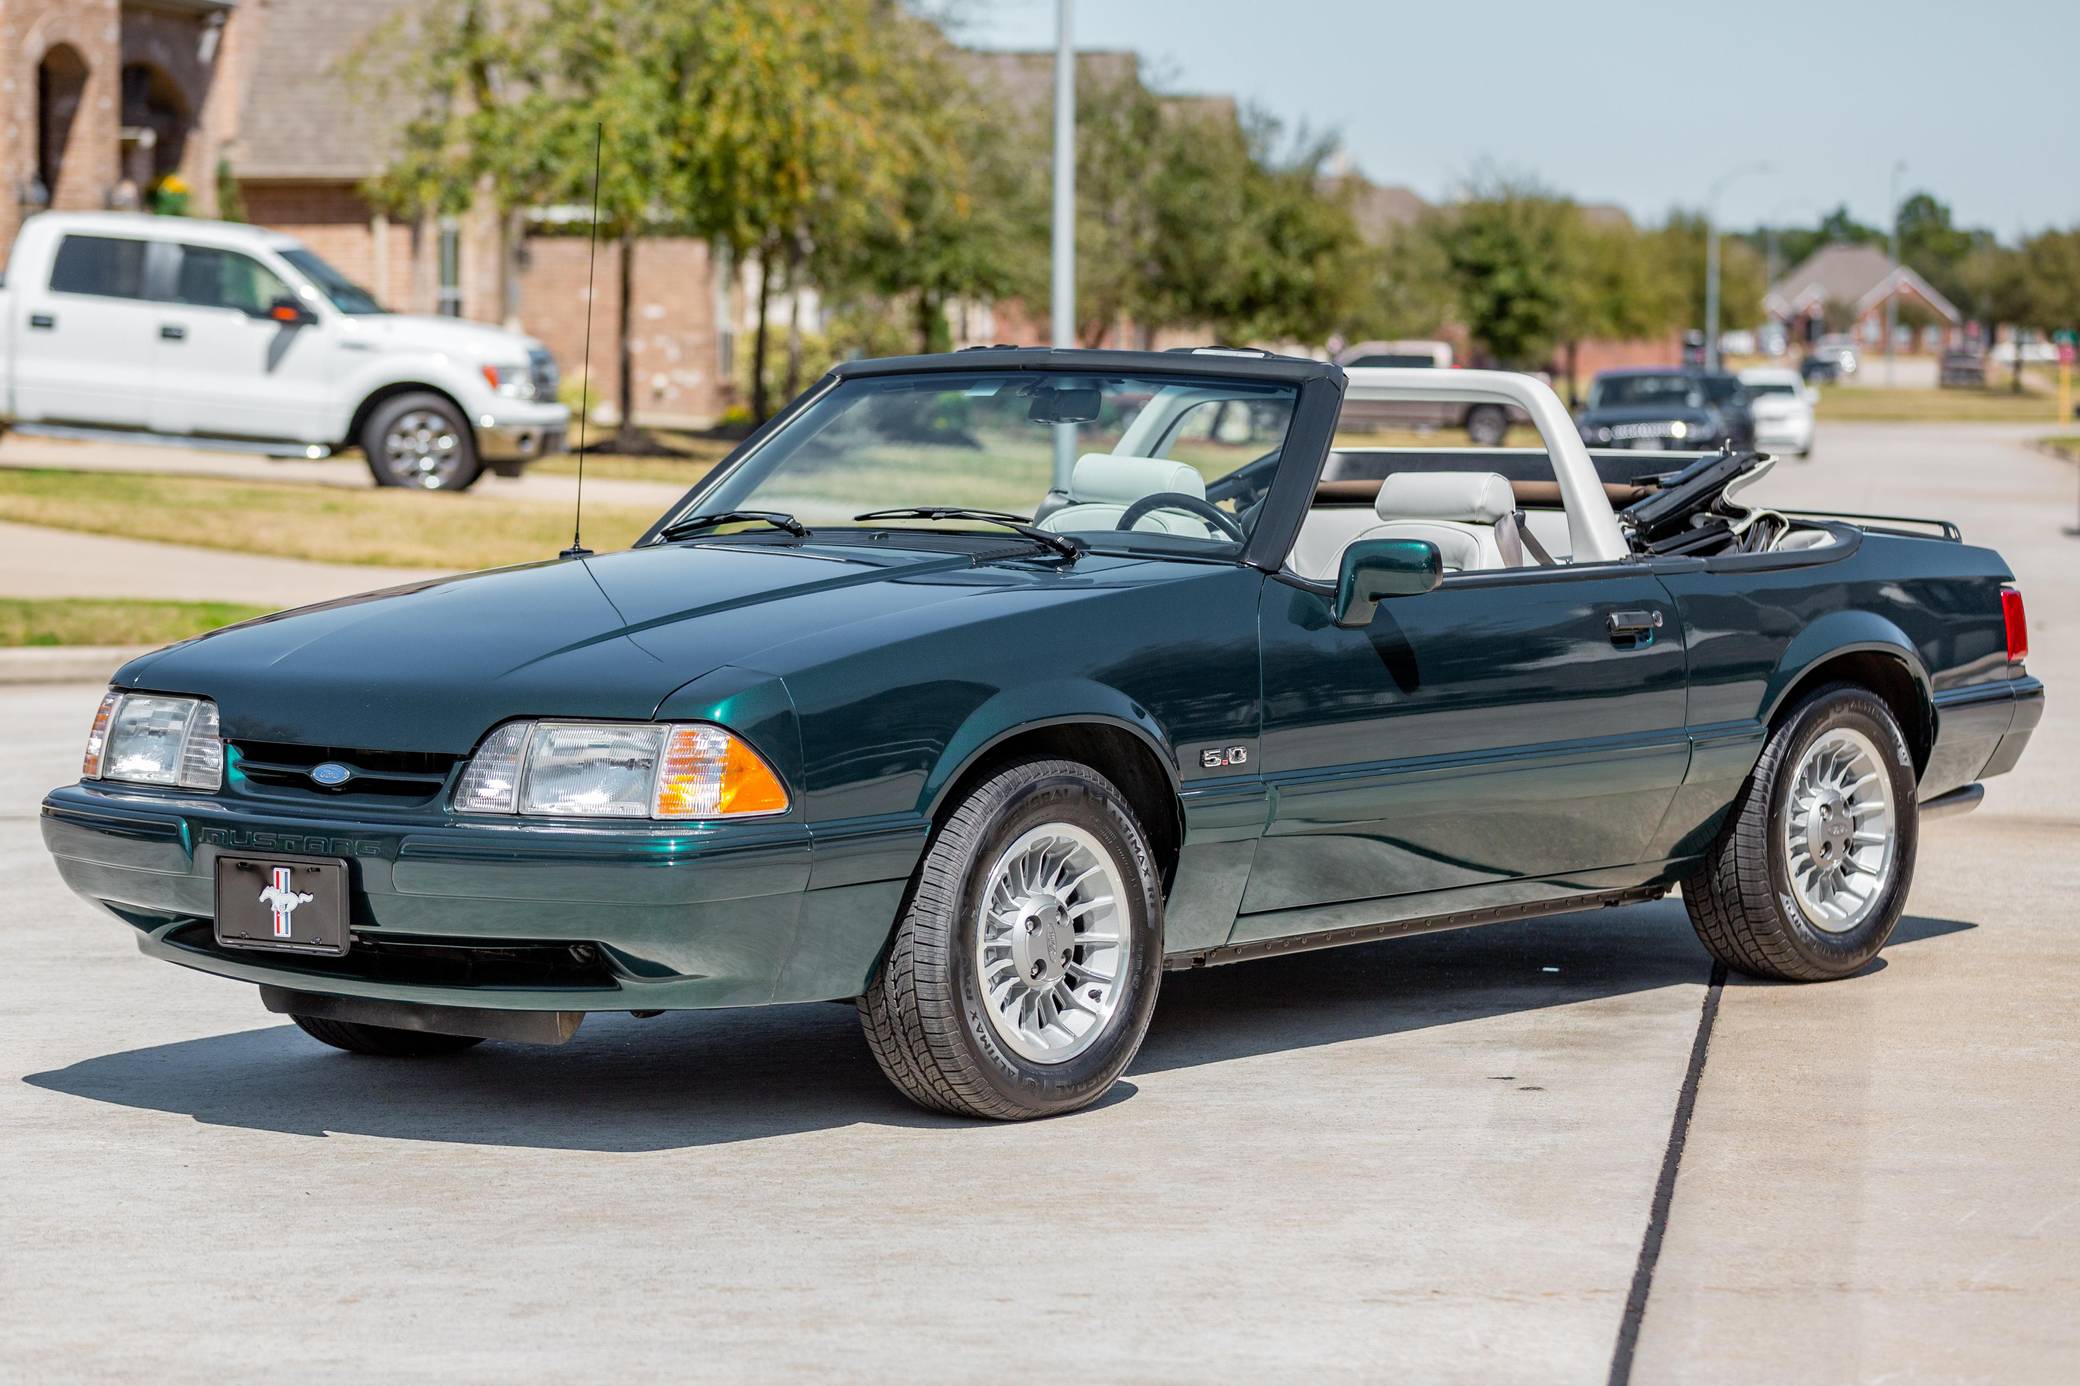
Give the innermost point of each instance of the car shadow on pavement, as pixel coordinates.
(714, 1077)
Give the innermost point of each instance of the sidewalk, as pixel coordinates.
(37, 562)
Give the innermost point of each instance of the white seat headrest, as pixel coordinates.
(1119, 479)
(1481, 498)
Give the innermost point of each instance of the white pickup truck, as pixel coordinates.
(227, 335)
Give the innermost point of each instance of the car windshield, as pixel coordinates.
(1721, 389)
(1771, 387)
(1144, 457)
(1627, 391)
(345, 294)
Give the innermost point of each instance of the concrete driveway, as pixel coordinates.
(1546, 1152)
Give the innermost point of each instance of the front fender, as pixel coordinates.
(389, 370)
(1835, 634)
(1030, 707)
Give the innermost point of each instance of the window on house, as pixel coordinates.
(106, 266)
(449, 301)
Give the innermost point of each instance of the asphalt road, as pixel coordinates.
(1443, 1158)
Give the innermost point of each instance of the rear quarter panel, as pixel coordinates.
(1759, 626)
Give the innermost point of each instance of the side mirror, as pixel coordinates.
(289, 312)
(1375, 569)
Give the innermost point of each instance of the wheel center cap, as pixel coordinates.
(1829, 830)
(1042, 941)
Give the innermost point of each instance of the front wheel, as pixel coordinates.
(1809, 876)
(1024, 970)
(420, 440)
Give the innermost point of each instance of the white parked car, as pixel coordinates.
(1782, 405)
(230, 335)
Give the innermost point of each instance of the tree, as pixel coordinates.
(1403, 288)
(1934, 246)
(1509, 249)
(1616, 290)
(1679, 247)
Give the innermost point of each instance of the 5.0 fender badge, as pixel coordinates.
(1215, 758)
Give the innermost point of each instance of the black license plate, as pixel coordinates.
(291, 904)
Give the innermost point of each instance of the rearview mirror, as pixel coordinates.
(1065, 405)
(1375, 569)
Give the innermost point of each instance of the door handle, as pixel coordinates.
(42, 321)
(1634, 626)
(173, 332)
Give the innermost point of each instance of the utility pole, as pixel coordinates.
(1892, 294)
(1711, 261)
(1062, 310)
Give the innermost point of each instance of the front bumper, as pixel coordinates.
(522, 433)
(508, 915)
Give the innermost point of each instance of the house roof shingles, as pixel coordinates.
(1859, 275)
(302, 118)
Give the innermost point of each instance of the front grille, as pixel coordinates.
(541, 366)
(284, 768)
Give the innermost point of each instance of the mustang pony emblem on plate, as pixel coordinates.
(282, 897)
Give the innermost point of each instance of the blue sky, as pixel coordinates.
(1642, 104)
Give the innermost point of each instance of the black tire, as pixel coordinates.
(458, 468)
(1740, 899)
(925, 1019)
(382, 1040)
(1487, 425)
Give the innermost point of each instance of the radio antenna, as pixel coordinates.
(577, 548)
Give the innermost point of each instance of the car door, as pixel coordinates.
(83, 344)
(225, 366)
(1509, 727)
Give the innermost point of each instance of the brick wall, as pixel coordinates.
(676, 366)
(29, 30)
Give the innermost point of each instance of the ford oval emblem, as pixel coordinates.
(331, 774)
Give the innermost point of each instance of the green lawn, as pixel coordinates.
(1866, 404)
(112, 621)
(408, 529)
(2066, 446)
(686, 459)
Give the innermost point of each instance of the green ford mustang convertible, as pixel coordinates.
(979, 689)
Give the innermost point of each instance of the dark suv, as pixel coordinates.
(1666, 407)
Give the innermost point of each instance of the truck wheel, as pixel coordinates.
(1809, 876)
(1487, 425)
(420, 440)
(1024, 970)
(390, 1043)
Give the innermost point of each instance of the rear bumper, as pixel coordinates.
(507, 916)
(1980, 731)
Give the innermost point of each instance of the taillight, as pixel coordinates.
(2017, 625)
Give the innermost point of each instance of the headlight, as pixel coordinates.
(514, 382)
(145, 739)
(618, 770)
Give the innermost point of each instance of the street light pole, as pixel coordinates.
(1062, 309)
(1711, 261)
(1892, 293)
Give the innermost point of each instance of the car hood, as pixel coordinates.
(432, 666)
(476, 343)
(1777, 406)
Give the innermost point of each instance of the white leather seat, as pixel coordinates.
(1470, 516)
(1104, 484)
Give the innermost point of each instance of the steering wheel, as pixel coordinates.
(1178, 500)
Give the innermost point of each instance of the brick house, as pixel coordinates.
(1851, 285)
(249, 101)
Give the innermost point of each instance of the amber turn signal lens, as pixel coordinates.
(711, 773)
(97, 739)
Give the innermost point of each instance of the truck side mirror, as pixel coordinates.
(1375, 569)
(288, 312)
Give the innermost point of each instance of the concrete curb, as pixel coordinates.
(66, 663)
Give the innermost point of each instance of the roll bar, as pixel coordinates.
(1592, 526)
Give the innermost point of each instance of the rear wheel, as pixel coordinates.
(1486, 425)
(1022, 975)
(420, 440)
(382, 1040)
(1809, 877)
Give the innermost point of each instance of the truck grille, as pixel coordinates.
(541, 366)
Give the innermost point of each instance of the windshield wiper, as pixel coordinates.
(696, 524)
(1022, 524)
